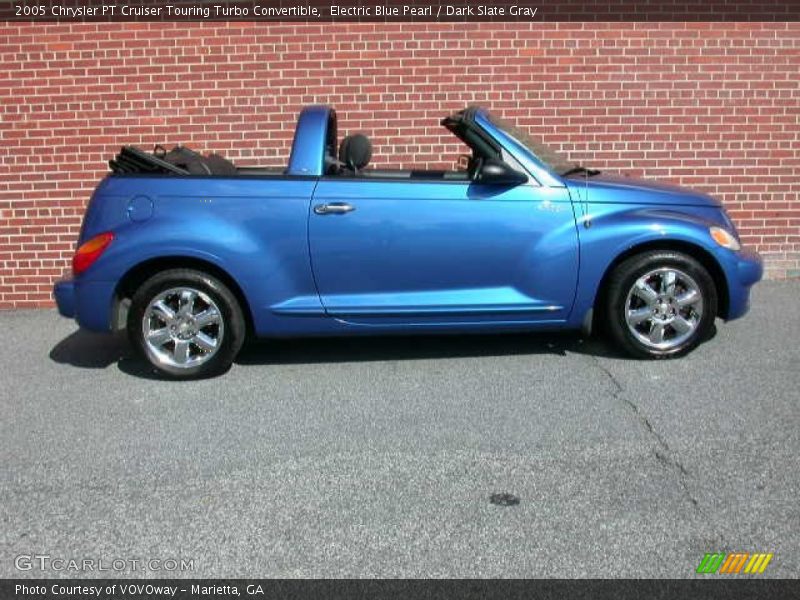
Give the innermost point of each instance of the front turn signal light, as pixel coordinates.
(90, 251)
(725, 238)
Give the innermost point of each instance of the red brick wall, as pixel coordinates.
(710, 105)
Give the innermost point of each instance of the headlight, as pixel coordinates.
(724, 238)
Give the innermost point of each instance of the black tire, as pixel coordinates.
(231, 316)
(620, 284)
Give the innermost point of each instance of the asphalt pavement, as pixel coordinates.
(378, 457)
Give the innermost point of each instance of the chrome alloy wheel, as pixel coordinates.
(664, 308)
(182, 327)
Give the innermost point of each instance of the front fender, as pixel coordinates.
(616, 229)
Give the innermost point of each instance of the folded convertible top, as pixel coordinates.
(178, 161)
(133, 160)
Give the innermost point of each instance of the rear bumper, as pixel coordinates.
(90, 303)
(64, 293)
(745, 270)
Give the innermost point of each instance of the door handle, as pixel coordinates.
(334, 208)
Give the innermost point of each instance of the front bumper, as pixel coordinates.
(745, 270)
(750, 267)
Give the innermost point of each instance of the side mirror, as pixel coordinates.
(496, 172)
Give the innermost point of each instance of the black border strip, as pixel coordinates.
(401, 10)
(711, 588)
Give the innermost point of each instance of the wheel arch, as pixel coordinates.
(139, 273)
(703, 256)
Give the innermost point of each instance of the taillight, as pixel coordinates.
(90, 251)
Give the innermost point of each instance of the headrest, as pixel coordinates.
(355, 151)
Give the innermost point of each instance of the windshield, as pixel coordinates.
(554, 160)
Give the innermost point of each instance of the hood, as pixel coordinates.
(618, 189)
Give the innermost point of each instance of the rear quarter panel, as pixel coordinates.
(254, 229)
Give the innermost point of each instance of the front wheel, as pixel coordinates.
(186, 323)
(660, 304)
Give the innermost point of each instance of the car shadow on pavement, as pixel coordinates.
(386, 348)
(88, 350)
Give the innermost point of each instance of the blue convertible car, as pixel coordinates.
(192, 254)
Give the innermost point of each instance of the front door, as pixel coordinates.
(399, 252)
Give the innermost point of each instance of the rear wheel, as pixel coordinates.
(186, 323)
(660, 304)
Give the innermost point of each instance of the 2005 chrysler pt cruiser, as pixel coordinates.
(191, 254)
